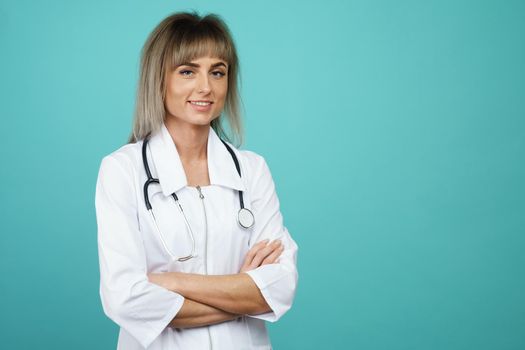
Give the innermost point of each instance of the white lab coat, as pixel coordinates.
(129, 246)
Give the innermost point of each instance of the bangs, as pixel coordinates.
(200, 40)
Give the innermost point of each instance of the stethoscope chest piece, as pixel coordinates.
(245, 218)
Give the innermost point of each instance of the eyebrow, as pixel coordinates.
(191, 64)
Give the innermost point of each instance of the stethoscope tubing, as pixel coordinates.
(244, 216)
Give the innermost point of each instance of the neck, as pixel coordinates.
(190, 140)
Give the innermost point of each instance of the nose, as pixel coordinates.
(203, 84)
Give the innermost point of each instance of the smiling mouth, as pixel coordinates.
(201, 103)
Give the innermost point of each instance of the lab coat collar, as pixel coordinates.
(170, 171)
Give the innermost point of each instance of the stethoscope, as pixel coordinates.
(244, 216)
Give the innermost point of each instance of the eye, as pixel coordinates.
(186, 72)
(218, 74)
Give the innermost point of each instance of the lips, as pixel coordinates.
(201, 106)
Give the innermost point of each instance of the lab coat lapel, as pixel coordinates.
(170, 172)
(168, 165)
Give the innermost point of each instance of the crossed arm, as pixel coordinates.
(211, 299)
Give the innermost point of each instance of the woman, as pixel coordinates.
(192, 248)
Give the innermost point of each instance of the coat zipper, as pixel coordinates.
(201, 196)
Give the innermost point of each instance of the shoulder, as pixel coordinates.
(254, 168)
(126, 154)
(250, 161)
(123, 160)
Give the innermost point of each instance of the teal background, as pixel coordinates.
(394, 130)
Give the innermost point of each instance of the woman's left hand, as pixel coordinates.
(262, 253)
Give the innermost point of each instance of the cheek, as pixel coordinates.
(221, 93)
(175, 98)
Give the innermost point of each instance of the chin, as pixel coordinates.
(204, 120)
(197, 120)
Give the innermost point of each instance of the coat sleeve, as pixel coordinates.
(142, 308)
(277, 282)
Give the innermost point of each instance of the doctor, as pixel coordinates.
(192, 248)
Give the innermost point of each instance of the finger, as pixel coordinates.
(258, 246)
(270, 259)
(263, 253)
(253, 251)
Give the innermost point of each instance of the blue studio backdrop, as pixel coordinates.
(395, 132)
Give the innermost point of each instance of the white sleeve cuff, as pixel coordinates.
(277, 285)
(153, 330)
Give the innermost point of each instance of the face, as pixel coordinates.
(196, 90)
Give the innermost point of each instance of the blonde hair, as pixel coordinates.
(179, 38)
